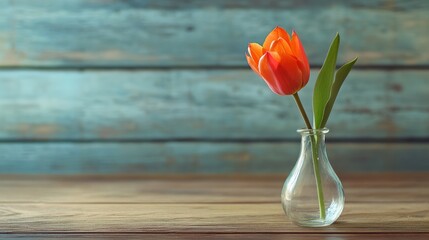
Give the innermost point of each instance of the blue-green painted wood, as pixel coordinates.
(217, 104)
(229, 106)
(205, 33)
(69, 158)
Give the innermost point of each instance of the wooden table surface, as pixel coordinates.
(378, 206)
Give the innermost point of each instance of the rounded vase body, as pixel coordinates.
(312, 194)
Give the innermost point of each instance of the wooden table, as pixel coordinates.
(378, 206)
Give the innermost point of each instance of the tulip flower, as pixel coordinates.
(281, 61)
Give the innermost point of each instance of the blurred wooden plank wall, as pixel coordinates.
(162, 86)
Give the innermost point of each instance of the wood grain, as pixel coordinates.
(191, 189)
(203, 218)
(199, 104)
(216, 33)
(94, 216)
(202, 157)
(215, 236)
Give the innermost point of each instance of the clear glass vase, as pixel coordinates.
(313, 195)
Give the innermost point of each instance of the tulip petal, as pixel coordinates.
(277, 32)
(281, 46)
(289, 62)
(253, 65)
(305, 73)
(298, 49)
(255, 51)
(266, 72)
(287, 74)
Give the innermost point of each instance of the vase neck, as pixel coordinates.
(308, 140)
(310, 137)
(316, 135)
(305, 131)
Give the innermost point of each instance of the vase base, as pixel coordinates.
(313, 223)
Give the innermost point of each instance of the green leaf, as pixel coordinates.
(322, 89)
(340, 76)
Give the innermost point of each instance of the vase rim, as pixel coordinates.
(306, 131)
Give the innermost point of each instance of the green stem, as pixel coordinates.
(316, 169)
(315, 157)
(302, 110)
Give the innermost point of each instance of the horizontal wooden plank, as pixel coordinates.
(204, 218)
(217, 104)
(216, 236)
(194, 157)
(406, 188)
(97, 217)
(214, 33)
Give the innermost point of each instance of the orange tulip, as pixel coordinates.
(281, 61)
